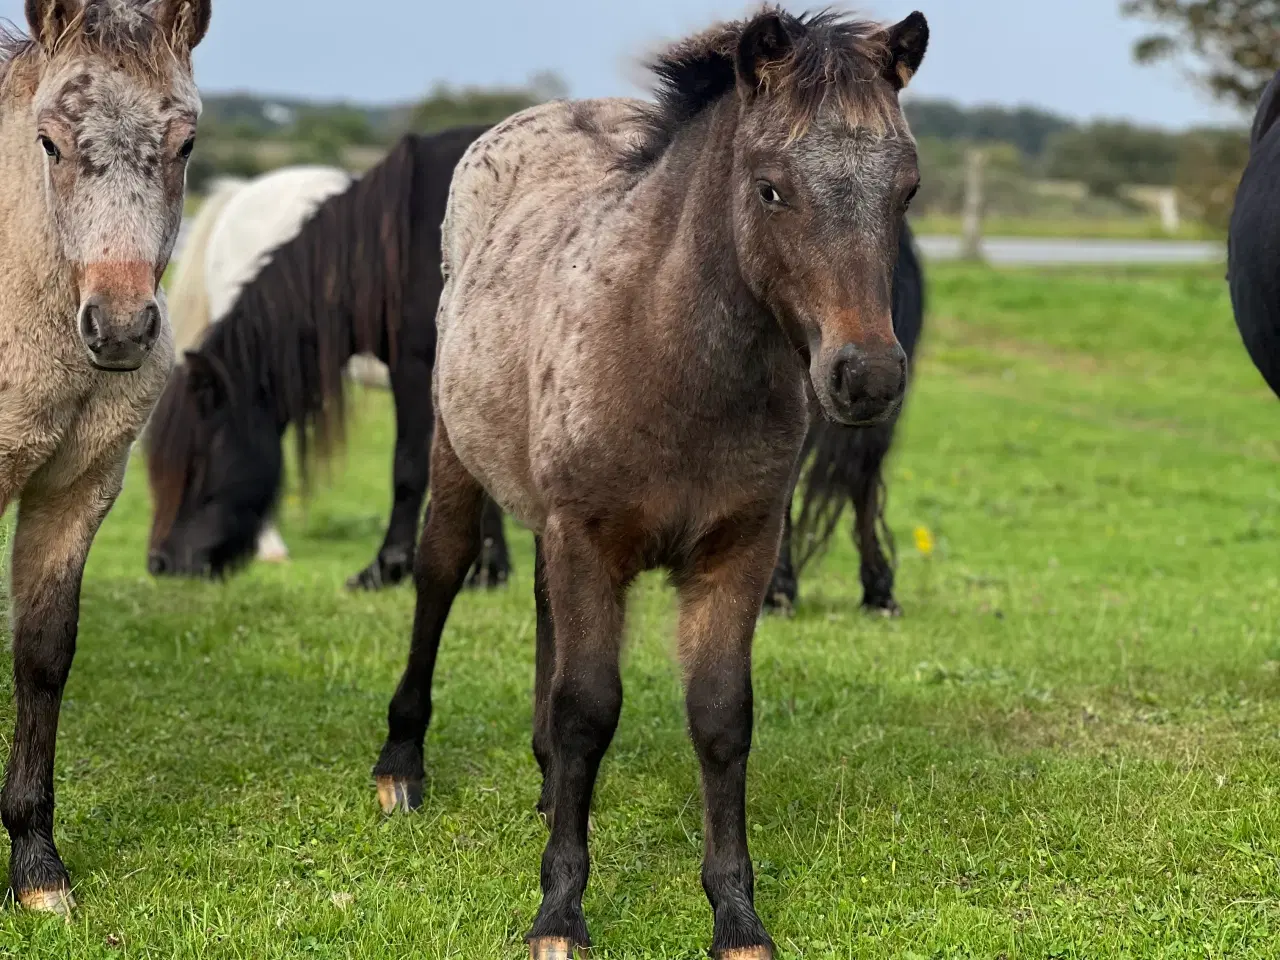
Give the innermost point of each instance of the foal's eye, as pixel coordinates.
(184, 152)
(910, 196)
(50, 147)
(769, 195)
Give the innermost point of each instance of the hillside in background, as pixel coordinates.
(1038, 165)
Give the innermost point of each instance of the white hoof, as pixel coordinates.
(271, 546)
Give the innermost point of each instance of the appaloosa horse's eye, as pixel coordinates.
(769, 195)
(50, 147)
(184, 152)
(910, 196)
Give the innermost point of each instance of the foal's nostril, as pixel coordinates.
(92, 321)
(157, 564)
(149, 320)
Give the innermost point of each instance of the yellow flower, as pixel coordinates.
(924, 540)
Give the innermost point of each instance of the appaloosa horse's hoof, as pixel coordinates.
(746, 953)
(396, 793)
(57, 900)
(556, 948)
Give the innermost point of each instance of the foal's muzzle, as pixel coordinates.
(865, 387)
(118, 341)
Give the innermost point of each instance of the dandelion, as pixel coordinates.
(924, 541)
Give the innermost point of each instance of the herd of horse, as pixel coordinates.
(637, 328)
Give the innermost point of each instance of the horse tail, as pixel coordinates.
(845, 462)
(189, 296)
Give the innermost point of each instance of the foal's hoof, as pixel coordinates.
(57, 900)
(395, 793)
(556, 948)
(745, 953)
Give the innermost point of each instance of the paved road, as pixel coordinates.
(1019, 250)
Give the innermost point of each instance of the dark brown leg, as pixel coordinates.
(720, 593)
(53, 537)
(493, 566)
(582, 714)
(543, 672)
(450, 542)
(868, 504)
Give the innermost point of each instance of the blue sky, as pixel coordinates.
(983, 51)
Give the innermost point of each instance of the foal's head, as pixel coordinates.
(113, 116)
(823, 169)
(215, 468)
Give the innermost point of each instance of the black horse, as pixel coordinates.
(363, 276)
(1253, 242)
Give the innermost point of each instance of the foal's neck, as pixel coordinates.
(36, 280)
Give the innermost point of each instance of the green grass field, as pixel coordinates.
(1068, 748)
(1113, 228)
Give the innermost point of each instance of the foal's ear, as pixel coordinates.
(765, 41)
(204, 384)
(183, 23)
(907, 43)
(49, 19)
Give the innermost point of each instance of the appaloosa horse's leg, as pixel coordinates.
(449, 545)
(53, 536)
(868, 505)
(544, 669)
(585, 698)
(720, 592)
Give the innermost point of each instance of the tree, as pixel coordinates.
(1106, 156)
(1237, 42)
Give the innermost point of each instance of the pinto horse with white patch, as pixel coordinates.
(98, 115)
(641, 302)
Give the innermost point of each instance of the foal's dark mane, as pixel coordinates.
(831, 55)
(335, 289)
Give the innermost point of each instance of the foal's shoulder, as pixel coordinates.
(560, 130)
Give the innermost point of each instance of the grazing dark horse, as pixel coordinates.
(214, 440)
(639, 302)
(362, 275)
(1253, 242)
(98, 114)
(845, 464)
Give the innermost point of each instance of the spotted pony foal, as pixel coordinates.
(98, 116)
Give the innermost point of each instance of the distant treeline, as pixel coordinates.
(243, 134)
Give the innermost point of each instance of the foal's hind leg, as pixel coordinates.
(720, 592)
(868, 504)
(450, 542)
(582, 708)
(53, 537)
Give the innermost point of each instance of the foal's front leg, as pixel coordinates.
(720, 594)
(53, 537)
(579, 716)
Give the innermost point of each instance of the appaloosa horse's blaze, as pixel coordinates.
(637, 301)
(98, 115)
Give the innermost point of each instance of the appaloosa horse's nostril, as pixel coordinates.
(92, 322)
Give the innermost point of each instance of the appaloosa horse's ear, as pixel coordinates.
(204, 383)
(907, 43)
(183, 22)
(49, 19)
(764, 41)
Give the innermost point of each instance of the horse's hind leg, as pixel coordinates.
(544, 669)
(52, 539)
(411, 388)
(581, 714)
(493, 566)
(450, 542)
(720, 590)
(783, 586)
(271, 546)
(868, 504)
